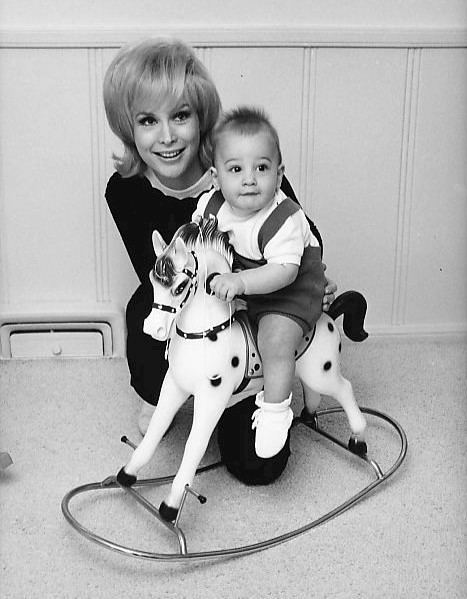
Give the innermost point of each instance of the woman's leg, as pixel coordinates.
(236, 437)
(236, 441)
(145, 356)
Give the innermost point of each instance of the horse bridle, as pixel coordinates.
(191, 289)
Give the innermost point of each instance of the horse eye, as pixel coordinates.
(180, 288)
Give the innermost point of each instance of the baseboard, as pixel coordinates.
(419, 330)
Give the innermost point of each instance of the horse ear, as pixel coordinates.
(181, 254)
(158, 243)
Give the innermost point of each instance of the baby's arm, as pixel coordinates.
(264, 279)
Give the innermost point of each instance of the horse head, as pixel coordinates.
(174, 277)
(174, 280)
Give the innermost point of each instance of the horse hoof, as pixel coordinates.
(309, 419)
(357, 447)
(124, 479)
(167, 513)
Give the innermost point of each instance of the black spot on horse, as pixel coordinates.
(215, 382)
(212, 336)
(235, 361)
(331, 327)
(327, 366)
(340, 347)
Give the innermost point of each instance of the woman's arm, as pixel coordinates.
(126, 201)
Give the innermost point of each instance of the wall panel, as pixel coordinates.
(46, 181)
(374, 138)
(355, 174)
(437, 253)
(252, 76)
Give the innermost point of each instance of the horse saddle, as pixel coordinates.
(253, 364)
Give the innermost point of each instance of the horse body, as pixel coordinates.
(207, 352)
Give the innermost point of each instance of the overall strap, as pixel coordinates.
(275, 221)
(214, 204)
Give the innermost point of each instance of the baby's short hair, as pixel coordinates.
(246, 120)
(157, 68)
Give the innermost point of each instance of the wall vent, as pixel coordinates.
(65, 334)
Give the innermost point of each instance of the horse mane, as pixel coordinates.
(200, 233)
(204, 232)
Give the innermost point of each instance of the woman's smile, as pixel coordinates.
(169, 155)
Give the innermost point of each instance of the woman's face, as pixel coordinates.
(167, 139)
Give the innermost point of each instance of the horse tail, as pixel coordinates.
(353, 306)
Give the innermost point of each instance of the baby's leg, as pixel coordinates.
(278, 338)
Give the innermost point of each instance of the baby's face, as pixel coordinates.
(247, 170)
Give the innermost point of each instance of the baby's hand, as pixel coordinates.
(227, 286)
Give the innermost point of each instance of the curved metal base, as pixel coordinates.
(311, 421)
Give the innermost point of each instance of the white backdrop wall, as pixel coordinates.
(370, 104)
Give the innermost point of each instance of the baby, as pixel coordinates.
(278, 260)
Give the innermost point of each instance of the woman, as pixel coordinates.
(162, 104)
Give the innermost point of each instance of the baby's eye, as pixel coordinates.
(235, 169)
(262, 167)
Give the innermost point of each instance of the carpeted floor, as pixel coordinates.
(61, 422)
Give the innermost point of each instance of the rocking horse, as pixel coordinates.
(212, 356)
(209, 353)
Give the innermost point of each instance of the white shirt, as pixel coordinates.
(286, 247)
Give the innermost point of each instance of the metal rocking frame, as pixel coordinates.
(311, 421)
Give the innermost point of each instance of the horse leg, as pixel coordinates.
(311, 398)
(208, 407)
(170, 400)
(338, 387)
(319, 370)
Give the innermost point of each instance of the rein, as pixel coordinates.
(210, 333)
(194, 285)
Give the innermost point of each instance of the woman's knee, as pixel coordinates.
(236, 441)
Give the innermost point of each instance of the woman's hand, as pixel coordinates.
(329, 292)
(227, 286)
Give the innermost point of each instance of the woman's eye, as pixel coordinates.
(146, 121)
(183, 115)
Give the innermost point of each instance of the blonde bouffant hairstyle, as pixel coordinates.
(157, 69)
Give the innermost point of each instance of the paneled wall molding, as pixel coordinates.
(307, 119)
(218, 36)
(3, 259)
(407, 156)
(99, 153)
